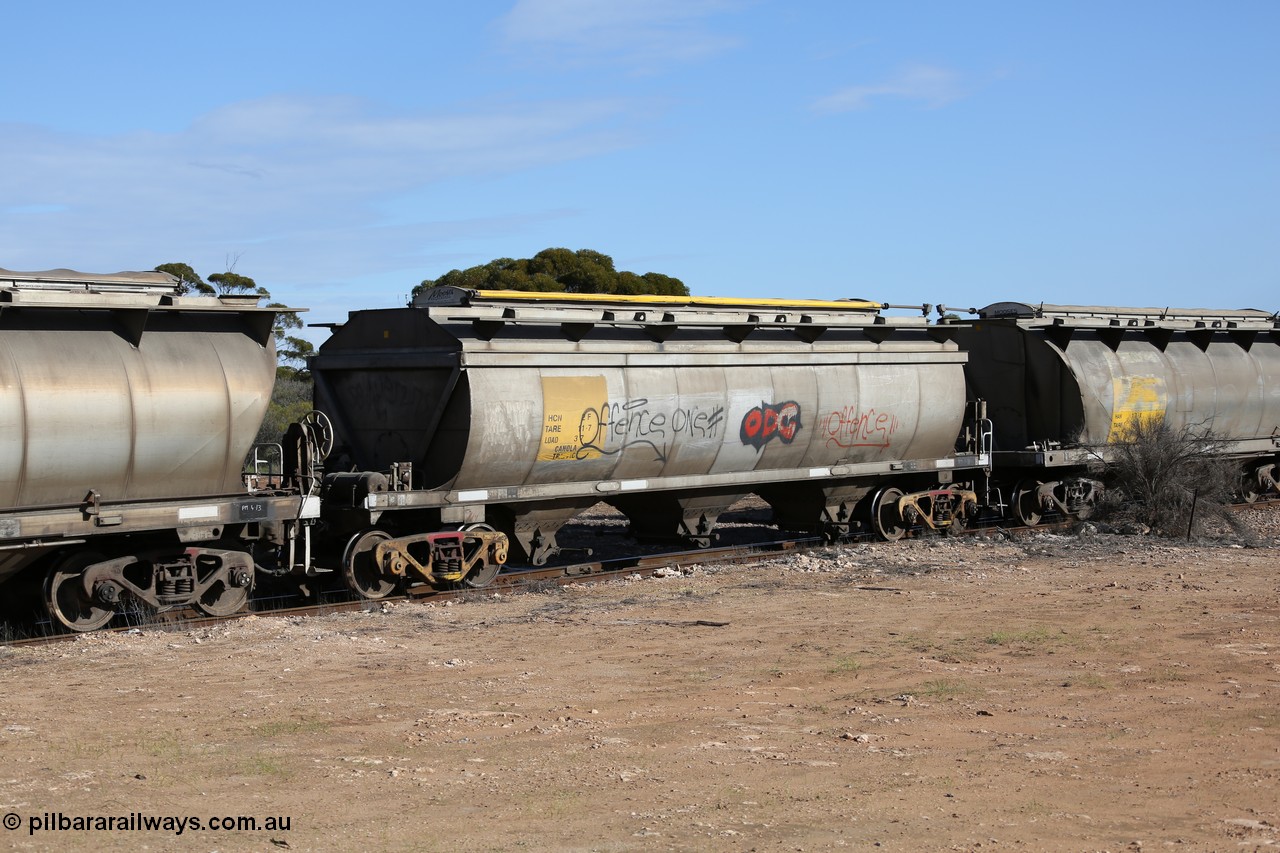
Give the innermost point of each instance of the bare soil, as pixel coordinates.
(1045, 693)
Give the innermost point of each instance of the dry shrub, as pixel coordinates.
(1156, 474)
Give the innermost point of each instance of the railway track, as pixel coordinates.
(612, 568)
(595, 571)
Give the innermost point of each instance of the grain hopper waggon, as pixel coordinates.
(1065, 383)
(126, 413)
(515, 411)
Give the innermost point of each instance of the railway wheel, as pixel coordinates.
(363, 575)
(484, 572)
(885, 517)
(1026, 503)
(1250, 490)
(66, 600)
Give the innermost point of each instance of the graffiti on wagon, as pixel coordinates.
(768, 421)
(580, 422)
(850, 426)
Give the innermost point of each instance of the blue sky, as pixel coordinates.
(1115, 153)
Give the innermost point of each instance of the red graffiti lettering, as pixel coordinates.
(850, 427)
(769, 421)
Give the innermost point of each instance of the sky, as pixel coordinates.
(959, 153)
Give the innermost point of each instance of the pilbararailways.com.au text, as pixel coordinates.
(139, 822)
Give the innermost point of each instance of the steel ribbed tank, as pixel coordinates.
(1066, 375)
(483, 392)
(117, 385)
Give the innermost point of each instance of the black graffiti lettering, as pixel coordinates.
(611, 428)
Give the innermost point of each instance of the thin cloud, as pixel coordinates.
(289, 177)
(644, 37)
(933, 85)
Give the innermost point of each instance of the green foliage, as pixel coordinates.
(287, 320)
(558, 271)
(290, 401)
(232, 283)
(291, 351)
(188, 280)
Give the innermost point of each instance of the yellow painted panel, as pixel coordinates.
(567, 405)
(1137, 400)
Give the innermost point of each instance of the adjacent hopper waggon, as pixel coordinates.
(126, 413)
(1064, 383)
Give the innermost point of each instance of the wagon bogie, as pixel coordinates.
(1259, 480)
(84, 590)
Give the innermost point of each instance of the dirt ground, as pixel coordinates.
(1047, 693)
